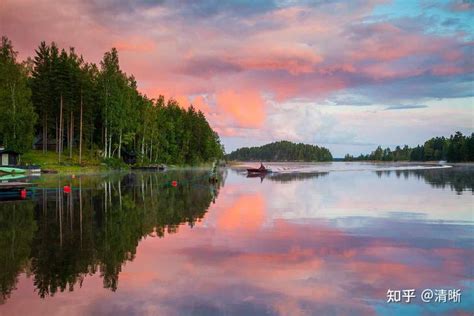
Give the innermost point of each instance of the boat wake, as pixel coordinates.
(296, 168)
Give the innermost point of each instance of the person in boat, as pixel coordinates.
(260, 169)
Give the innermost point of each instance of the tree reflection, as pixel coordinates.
(288, 177)
(17, 227)
(96, 227)
(458, 178)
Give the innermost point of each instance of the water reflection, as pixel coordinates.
(287, 177)
(458, 178)
(330, 244)
(61, 238)
(17, 229)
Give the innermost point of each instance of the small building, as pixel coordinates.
(8, 157)
(38, 143)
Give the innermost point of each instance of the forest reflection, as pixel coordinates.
(458, 178)
(288, 177)
(58, 239)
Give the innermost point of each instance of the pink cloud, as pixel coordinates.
(135, 44)
(233, 67)
(244, 107)
(461, 5)
(296, 60)
(447, 70)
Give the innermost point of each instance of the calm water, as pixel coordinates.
(331, 239)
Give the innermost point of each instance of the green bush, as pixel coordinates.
(115, 163)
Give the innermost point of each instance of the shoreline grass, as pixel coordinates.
(49, 161)
(89, 164)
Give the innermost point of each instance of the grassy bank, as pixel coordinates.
(49, 161)
(89, 164)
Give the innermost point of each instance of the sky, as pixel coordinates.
(346, 75)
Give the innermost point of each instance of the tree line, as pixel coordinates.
(281, 151)
(456, 148)
(63, 103)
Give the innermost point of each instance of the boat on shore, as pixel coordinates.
(20, 169)
(11, 170)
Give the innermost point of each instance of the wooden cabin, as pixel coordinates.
(38, 143)
(8, 157)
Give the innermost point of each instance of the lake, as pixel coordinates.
(309, 239)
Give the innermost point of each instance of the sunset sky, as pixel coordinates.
(347, 75)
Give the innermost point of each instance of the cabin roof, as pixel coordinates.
(8, 151)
